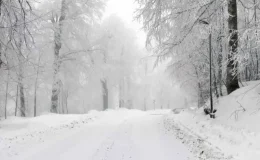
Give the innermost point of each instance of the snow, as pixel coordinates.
(183, 134)
(111, 135)
(235, 131)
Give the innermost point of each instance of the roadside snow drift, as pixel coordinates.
(110, 135)
(236, 129)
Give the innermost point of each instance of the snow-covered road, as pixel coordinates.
(122, 136)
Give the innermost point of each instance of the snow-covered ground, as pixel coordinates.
(136, 135)
(110, 135)
(235, 131)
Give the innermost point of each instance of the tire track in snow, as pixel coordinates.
(118, 145)
(200, 147)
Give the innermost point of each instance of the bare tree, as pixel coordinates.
(232, 65)
(58, 22)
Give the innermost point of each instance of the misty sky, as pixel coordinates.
(125, 9)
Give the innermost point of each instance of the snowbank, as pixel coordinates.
(236, 129)
(15, 126)
(19, 135)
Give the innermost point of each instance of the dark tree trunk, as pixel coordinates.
(256, 36)
(215, 85)
(257, 65)
(232, 65)
(220, 73)
(246, 74)
(252, 67)
(22, 101)
(20, 78)
(220, 58)
(1, 59)
(35, 89)
(220, 54)
(55, 94)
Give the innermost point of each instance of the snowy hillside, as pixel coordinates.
(235, 131)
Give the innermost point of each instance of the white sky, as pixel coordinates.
(125, 10)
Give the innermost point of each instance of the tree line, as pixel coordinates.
(62, 56)
(178, 30)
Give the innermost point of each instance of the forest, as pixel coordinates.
(129, 79)
(55, 54)
(197, 36)
(65, 56)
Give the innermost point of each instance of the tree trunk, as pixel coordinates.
(57, 62)
(6, 92)
(215, 84)
(200, 96)
(61, 99)
(145, 108)
(121, 94)
(256, 41)
(16, 101)
(252, 66)
(104, 93)
(0, 58)
(232, 65)
(257, 65)
(220, 54)
(200, 91)
(35, 101)
(246, 73)
(220, 73)
(65, 100)
(20, 78)
(35, 88)
(22, 100)
(129, 104)
(55, 88)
